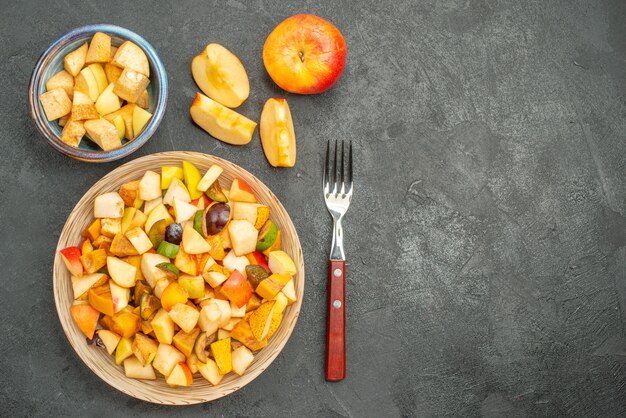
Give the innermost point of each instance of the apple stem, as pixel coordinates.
(301, 55)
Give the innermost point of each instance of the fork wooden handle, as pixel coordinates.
(336, 326)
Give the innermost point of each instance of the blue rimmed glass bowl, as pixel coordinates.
(51, 62)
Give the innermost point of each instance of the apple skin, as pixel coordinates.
(305, 54)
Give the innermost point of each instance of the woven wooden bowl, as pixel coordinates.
(97, 359)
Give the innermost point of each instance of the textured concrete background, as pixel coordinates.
(486, 240)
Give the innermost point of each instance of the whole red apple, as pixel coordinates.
(305, 54)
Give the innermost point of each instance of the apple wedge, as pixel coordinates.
(100, 76)
(108, 205)
(108, 102)
(183, 211)
(241, 358)
(278, 137)
(85, 82)
(140, 119)
(185, 316)
(193, 242)
(119, 295)
(110, 339)
(149, 267)
(243, 236)
(81, 285)
(129, 55)
(221, 122)
(150, 186)
(210, 372)
(61, 80)
(166, 359)
(56, 103)
(123, 350)
(180, 376)
(75, 60)
(71, 259)
(209, 177)
(280, 263)
(135, 370)
(122, 273)
(176, 190)
(163, 327)
(103, 133)
(221, 76)
(139, 239)
(240, 191)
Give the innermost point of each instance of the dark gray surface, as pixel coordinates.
(486, 239)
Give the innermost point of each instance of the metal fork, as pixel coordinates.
(337, 195)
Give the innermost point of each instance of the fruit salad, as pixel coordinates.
(100, 93)
(177, 275)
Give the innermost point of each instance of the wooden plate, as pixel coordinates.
(103, 364)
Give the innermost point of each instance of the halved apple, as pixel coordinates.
(221, 122)
(277, 134)
(221, 76)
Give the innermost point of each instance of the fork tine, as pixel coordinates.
(342, 186)
(350, 169)
(334, 180)
(326, 178)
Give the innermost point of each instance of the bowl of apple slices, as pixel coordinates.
(178, 278)
(98, 93)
